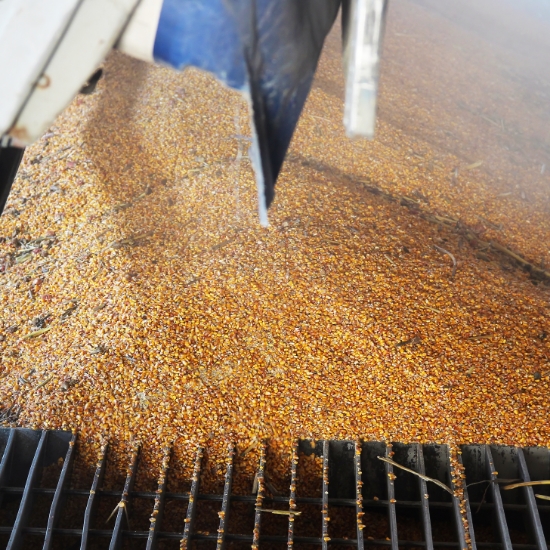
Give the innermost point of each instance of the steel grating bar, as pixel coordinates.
(6, 459)
(156, 517)
(468, 511)
(424, 498)
(91, 504)
(193, 497)
(392, 517)
(534, 517)
(380, 503)
(122, 512)
(280, 539)
(358, 495)
(456, 507)
(497, 499)
(224, 513)
(259, 499)
(16, 537)
(292, 498)
(59, 496)
(324, 510)
(508, 507)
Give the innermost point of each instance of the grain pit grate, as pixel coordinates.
(354, 500)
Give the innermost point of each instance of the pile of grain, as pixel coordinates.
(141, 300)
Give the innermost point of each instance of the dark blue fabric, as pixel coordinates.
(269, 48)
(201, 33)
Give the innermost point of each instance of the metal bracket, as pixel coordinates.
(363, 22)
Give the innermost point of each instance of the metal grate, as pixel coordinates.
(379, 504)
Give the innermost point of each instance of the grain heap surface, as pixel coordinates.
(141, 300)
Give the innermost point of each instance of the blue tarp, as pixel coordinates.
(268, 49)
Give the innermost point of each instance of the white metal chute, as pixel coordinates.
(92, 32)
(138, 38)
(30, 31)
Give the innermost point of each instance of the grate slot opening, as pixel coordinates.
(241, 518)
(406, 484)
(72, 513)
(8, 511)
(374, 472)
(308, 523)
(207, 518)
(139, 511)
(375, 494)
(409, 518)
(105, 504)
(442, 525)
(38, 516)
(309, 470)
(309, 482)
(50, 473)
(18, 455)
(30, 540)
(175, 512)
(409, 526)
(343, 522)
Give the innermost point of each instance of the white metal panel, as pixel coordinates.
(139, 36)
(29, 32)
(7, 7)
(92, 32)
